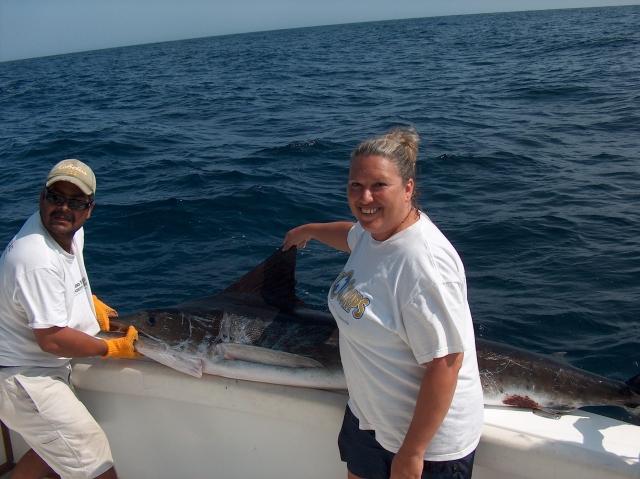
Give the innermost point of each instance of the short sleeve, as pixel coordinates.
(435, 321)
(41, 293)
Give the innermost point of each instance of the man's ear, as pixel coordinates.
(89, 210)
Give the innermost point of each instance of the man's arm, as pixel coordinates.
(69, 343)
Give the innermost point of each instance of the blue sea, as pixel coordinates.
(208, 151)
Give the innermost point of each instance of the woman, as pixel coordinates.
(406, 336)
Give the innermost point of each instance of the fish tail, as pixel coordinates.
(634, 383)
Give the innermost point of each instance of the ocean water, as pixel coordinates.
(208, 151)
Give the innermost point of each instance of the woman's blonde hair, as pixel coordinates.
(399, 145)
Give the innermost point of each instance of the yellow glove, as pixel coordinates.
(123, 347)
(103, 313)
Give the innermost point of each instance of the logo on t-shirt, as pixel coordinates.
(349, 298)
(80, 285)
(9, 247)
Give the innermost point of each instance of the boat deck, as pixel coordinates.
(164, 424)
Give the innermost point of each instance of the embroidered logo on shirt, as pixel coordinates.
(349, 298)
(80, 286)
(8, 248)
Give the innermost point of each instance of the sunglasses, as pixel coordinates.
(57, 200)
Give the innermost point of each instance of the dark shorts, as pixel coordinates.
(366, 458)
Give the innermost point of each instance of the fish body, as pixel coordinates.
(515, 377)
(257, 329)
(246, 342)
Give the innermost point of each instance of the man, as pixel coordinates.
(47, 316)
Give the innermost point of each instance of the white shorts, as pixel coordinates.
(41, 405)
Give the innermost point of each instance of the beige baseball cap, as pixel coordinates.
(76, 172)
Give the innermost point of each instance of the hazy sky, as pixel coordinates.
(33, 28)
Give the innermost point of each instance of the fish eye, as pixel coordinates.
(152, 320)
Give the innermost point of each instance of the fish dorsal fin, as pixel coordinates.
(274, 280)
(560, 356)
(634, 383)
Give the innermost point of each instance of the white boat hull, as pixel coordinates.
(164, 424)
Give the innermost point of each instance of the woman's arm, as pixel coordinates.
(434, 399)
(331, 234)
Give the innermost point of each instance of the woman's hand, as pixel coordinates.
(407, 466)
(297, 237)
(331, 234)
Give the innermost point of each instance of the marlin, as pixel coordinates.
(257, 329)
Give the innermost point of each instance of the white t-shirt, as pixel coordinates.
(399, 304)
(41, 286)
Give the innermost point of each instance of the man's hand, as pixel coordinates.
(122, 348)
(103, 313)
